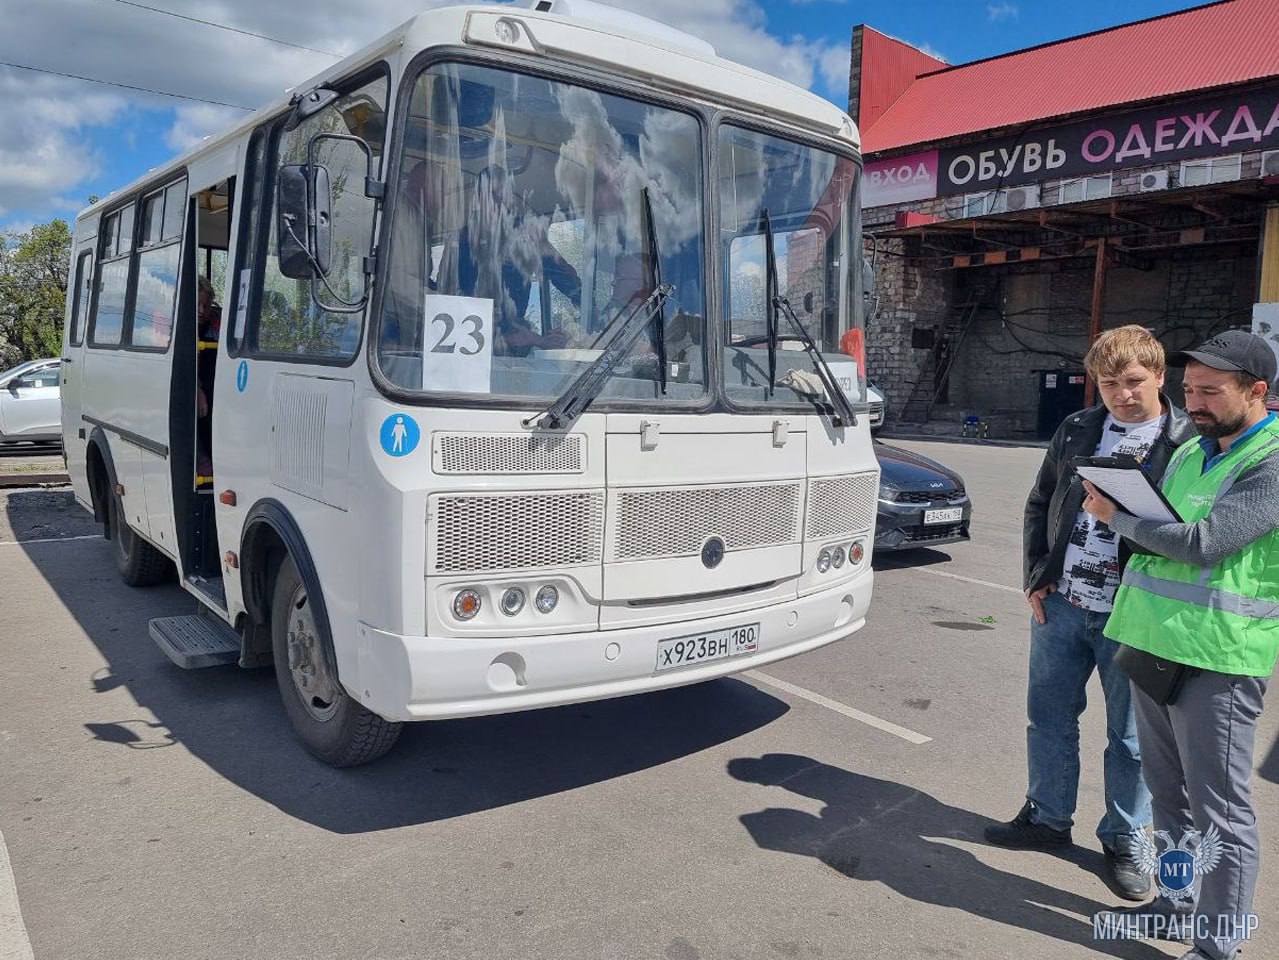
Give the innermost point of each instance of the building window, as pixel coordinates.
(979, 204)
(1080, 189)
(1196, 173)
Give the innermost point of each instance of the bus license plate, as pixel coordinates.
(944, 516)
(703, 647)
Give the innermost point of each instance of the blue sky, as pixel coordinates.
(62, 140)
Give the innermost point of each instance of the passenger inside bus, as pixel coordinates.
(209, 329)
(483, 261)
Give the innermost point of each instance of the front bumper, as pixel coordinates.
(900, 526)
(429, 678)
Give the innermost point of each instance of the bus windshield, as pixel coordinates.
(519, 233)
(804, 196)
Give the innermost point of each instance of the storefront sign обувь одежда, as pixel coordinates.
(1203, 127)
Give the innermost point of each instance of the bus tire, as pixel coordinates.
(332, 725)
(139, 563)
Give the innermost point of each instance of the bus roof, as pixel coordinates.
(567, 37)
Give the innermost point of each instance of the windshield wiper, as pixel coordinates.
(625, 329)
(628, 326)
(841, 412)
(655, 279)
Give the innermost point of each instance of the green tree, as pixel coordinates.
(33, 291)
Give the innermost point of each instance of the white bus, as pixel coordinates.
(482, 374)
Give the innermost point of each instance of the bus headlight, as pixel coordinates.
(857, 552)
(466, 604)
(546, 599)
(512, 601)
(837, 558)
(823, 561)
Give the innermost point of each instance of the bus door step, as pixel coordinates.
(196, 641)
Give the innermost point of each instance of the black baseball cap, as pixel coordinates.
(1234, 350)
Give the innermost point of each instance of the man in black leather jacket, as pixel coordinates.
(1071, 569)
(1058, 494)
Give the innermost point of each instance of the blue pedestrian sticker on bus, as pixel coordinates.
(400, 434)
(242, 376)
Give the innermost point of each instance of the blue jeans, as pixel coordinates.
(1063, 653)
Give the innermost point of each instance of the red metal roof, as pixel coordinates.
(897, 64)
(1233, 41)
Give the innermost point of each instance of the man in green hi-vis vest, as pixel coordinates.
(1205, 593)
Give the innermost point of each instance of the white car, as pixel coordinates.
(875, 397)
(31, 402)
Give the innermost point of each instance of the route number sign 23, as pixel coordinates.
(457, 350)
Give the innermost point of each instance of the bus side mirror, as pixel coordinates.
(290, 227)
(303, 202)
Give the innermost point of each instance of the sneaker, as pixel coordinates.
(1022, 833)
(1150, 921)
(1126, 874)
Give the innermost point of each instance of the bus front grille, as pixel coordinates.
(841, 505)
(677, 521)
(515, 531)
(507, 453)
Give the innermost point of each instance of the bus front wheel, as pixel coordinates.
(329, 722)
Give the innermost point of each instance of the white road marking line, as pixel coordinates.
(955, 576)
(14, 942)
(17, 543)
(829, 704)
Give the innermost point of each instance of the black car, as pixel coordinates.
(921, 503)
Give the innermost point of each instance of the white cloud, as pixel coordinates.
(43, 149)
(932, 51)
(49, 125)
(195, 121)
(834, 63)
(1003, 10)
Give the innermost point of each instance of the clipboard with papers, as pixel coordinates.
(1124, 481)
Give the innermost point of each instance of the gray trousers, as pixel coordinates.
(1197, 760)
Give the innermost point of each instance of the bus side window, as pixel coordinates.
(159, 253)
(115, 241)
(288, 322)
(83, 291)
(249, 219)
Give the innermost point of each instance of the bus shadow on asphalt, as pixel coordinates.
(878, 831)
(914, 557)
(233, 721)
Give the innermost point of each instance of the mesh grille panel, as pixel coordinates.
(677, 522)
(297, 448)
(466, 453)
(512, 531)
(839, 505)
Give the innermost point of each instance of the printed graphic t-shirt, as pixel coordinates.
(1090, 571)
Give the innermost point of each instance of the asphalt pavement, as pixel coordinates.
(829, 807)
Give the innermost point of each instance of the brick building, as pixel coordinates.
(1016, 206)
